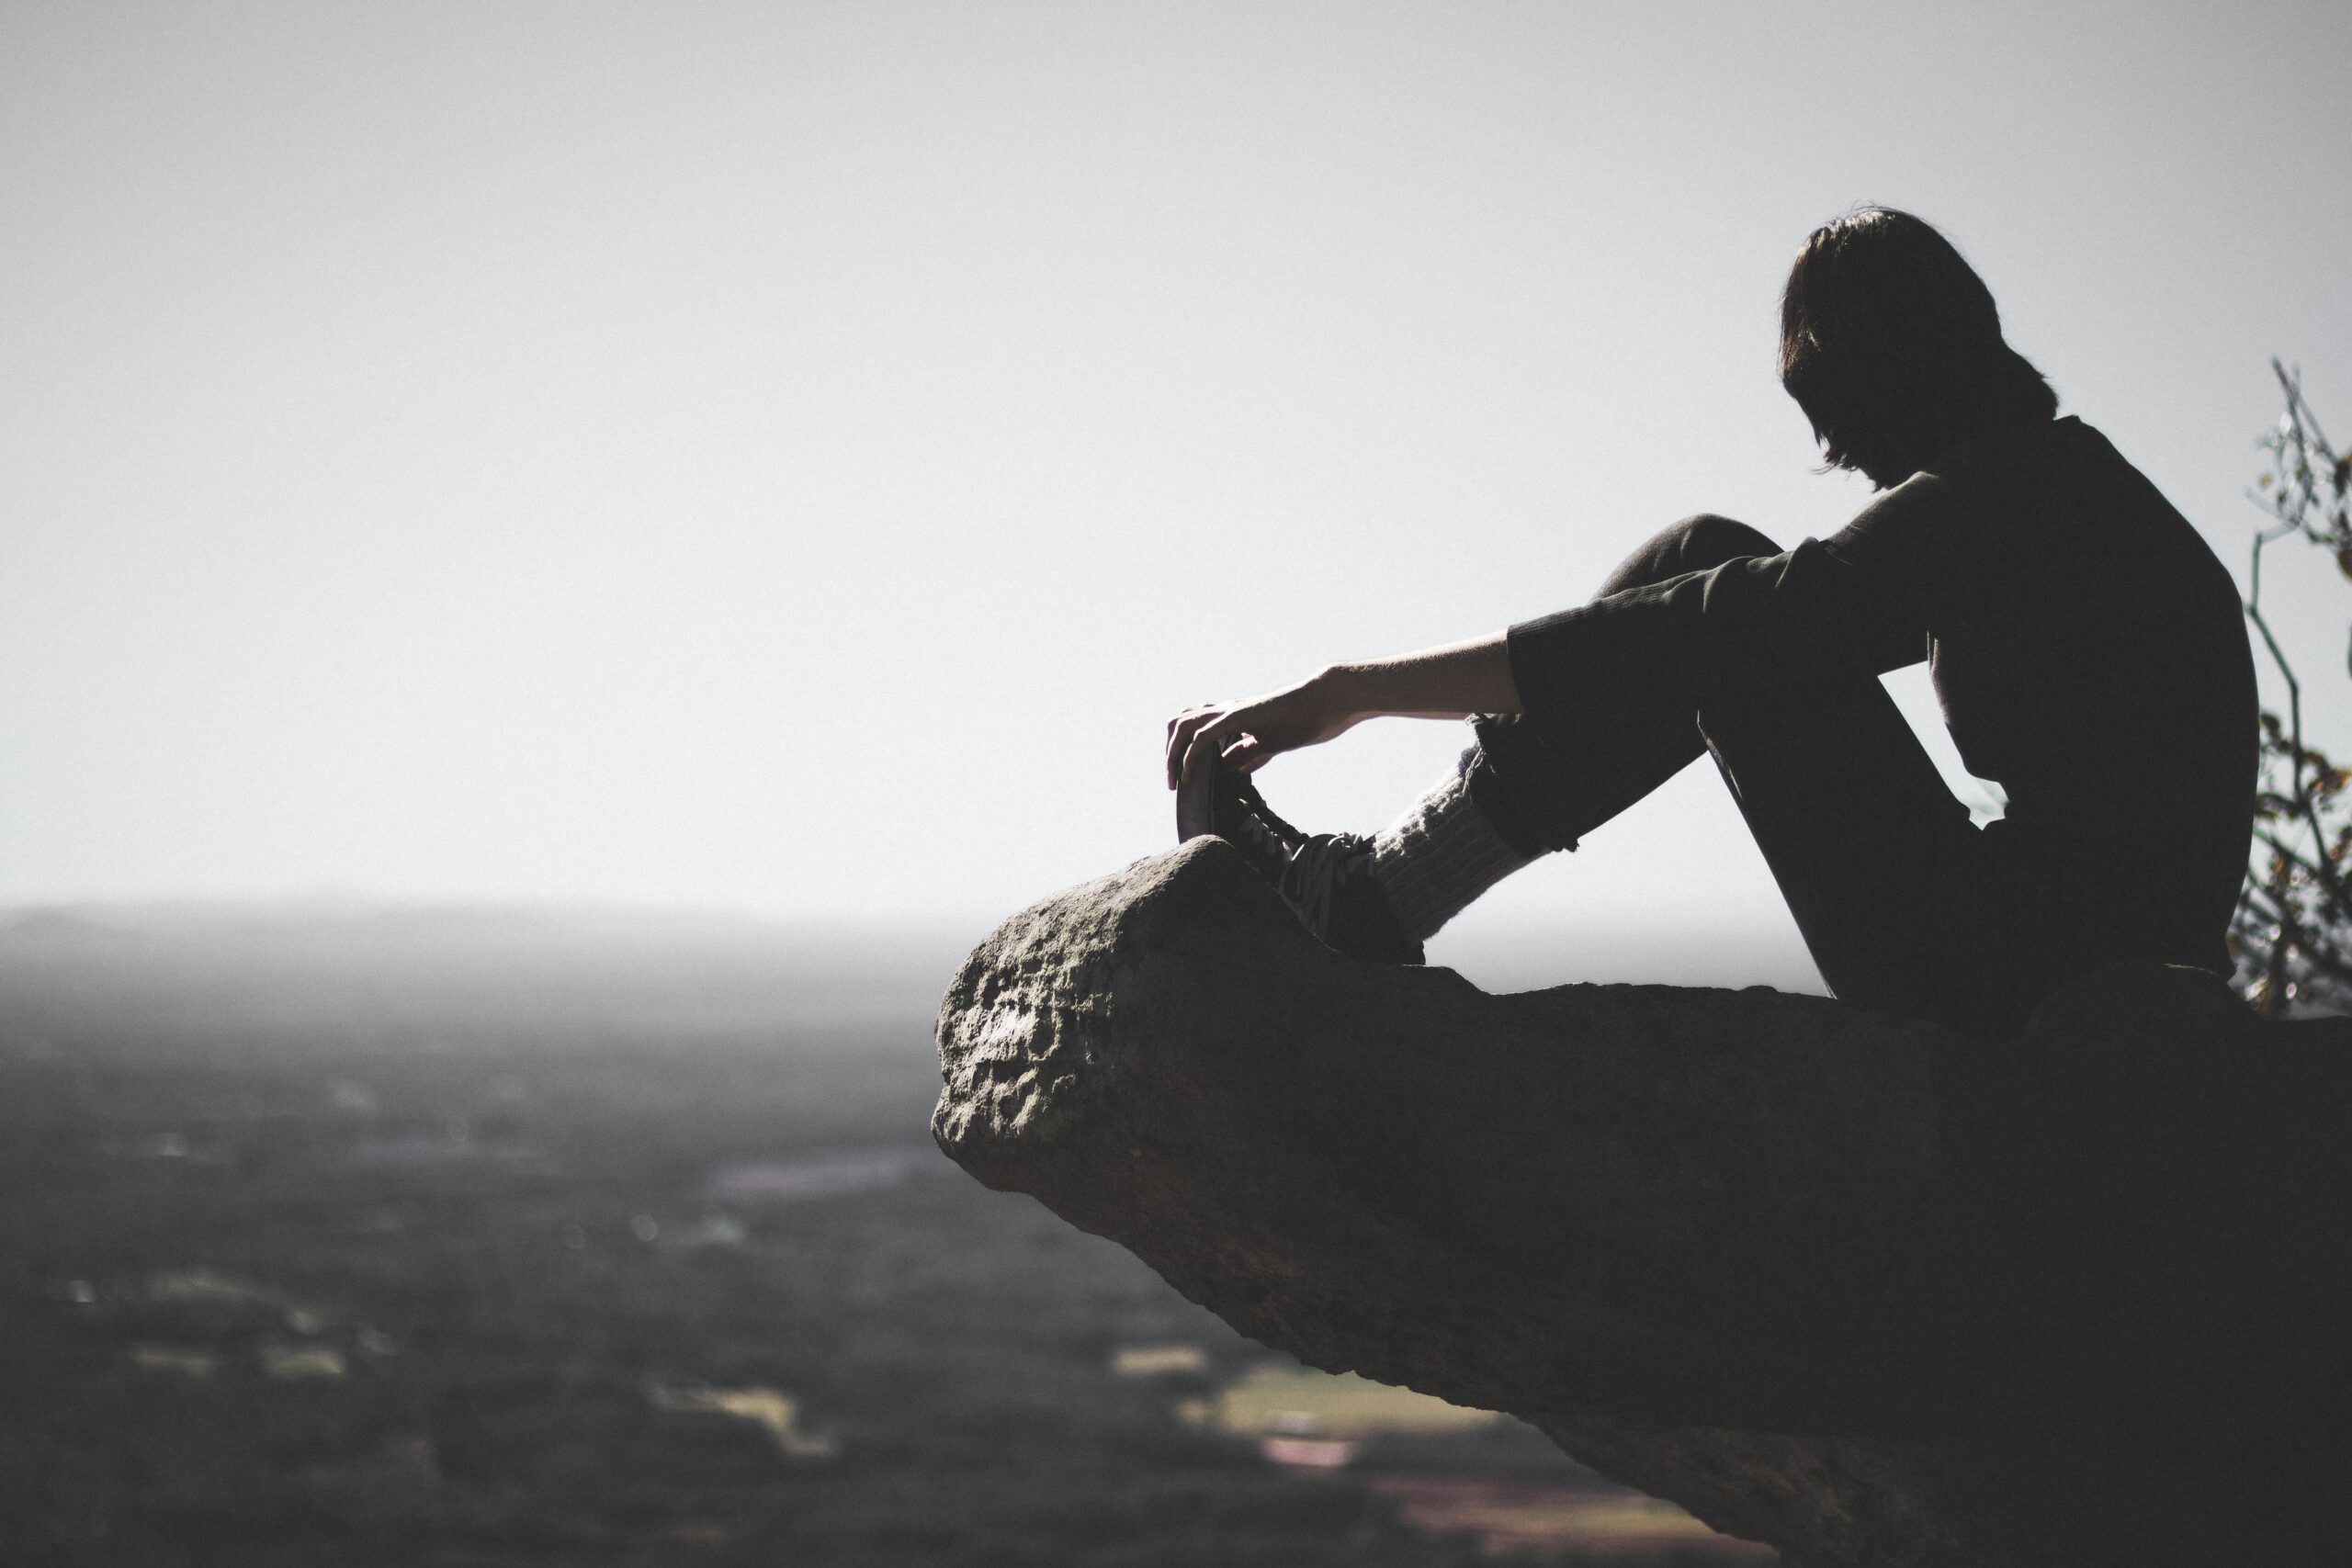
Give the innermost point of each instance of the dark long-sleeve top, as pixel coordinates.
(2088, 650)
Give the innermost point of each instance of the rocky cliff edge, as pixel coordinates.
(1843, 1283)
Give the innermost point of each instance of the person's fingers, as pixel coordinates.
(1232, 730)
(1187, 740)
(1179, 736)
(1207, 730)
(1203, 746)
(1180, 748)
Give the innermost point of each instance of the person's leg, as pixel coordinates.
(1545, 792)
(1890, 885)
(1887, 880)
(1894, 890)
(1436, 859)
(1514, 798)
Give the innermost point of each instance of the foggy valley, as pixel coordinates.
(349, 1234)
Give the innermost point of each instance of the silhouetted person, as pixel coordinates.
(2088, 649)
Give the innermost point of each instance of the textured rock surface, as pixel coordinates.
(1847, 1283)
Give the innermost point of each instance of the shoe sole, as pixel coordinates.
(1196, 804)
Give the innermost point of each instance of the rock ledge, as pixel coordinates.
(1843, 1283)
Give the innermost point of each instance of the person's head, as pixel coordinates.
(1891, 345)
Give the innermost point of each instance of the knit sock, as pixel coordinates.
(1431, 861)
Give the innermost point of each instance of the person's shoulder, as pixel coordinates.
(2009, 456)
(2012, 469)
(1999, 478)
(1994, 455)
(1949, 499)
(1897, 520)
(2096, 461)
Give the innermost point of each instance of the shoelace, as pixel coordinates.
(1321, 869)
(1284, 856)
(1326, 879)
(1241, 812)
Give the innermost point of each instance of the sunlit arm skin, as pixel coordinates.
(1452, 682)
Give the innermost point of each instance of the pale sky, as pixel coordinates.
(793, 458)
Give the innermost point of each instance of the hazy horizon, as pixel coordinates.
(674, 965)
(790, 459)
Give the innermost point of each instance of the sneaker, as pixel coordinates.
(1326, 878)
(1196, 804)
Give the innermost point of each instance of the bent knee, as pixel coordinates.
(1695, 544)
(1708, 540)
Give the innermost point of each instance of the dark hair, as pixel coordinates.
(1891, 345)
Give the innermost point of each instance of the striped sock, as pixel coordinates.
(1431, 861)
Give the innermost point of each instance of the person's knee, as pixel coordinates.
(1708, 540)
(1695, 543)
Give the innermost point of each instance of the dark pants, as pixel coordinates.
(1905, 905)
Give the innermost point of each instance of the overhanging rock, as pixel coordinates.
(1847, 1283)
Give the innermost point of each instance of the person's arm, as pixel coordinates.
(1452, 682)
(1857, 601)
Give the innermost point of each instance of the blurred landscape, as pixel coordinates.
(350, 1236)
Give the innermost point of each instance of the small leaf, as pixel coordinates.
(2344, 559)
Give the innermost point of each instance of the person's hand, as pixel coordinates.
(1452, 682)
(1250, 732)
